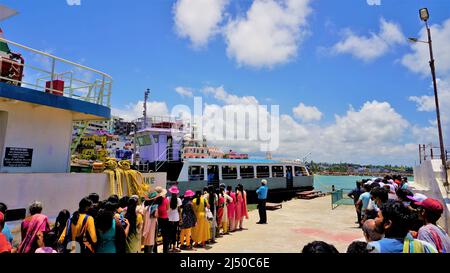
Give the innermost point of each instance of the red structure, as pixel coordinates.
(57, 88)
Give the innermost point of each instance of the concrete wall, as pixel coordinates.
(429, 175)
(57, 191)
(44, 129)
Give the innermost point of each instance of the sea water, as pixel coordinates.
(324, 182)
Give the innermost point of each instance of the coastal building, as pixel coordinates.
(121, 127)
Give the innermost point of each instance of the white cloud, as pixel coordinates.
(368, 48)
(227, 98)
(372, 134)
(375, 133)
(269, 33)
(184, 91)
(417, 61)
(134, 111)
(374, 122)
(198, 20)
(426, 103)
(307, 113)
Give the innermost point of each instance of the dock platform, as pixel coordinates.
(309, 194)
(273, 206)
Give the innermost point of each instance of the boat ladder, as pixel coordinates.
(164, 157)
(78, 136)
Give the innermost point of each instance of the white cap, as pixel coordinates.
(264, 181)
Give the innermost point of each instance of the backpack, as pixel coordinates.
(82, 239)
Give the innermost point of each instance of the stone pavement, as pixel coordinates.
(290, 228)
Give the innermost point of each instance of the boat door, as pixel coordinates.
(289, 178)
(169, 154)
(213, 175)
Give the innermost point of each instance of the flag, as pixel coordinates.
(6, 12)
(3, 46)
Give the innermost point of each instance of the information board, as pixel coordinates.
(17, 157)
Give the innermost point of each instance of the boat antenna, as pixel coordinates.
(306, 157)
(145, 107)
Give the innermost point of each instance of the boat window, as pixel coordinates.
(196, 173)
(229, 172)
(144, 140)
(247, 171)
(262, 171)
(140, 141)
(155, 139)
(304, 171)
(300, 171)
(277, 171)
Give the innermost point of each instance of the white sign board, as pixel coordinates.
(155, 179)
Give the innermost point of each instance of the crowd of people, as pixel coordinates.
(393, 219)
(132, 224)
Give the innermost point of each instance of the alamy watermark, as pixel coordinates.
(78, 2)
(234, 124)
(374, 2)
(73, 2)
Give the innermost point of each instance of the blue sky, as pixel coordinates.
(142, 45)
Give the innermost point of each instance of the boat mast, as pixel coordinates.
(145, 107)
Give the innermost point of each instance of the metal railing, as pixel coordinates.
(428, 152)
(339, 197)
(164, 157)
(79, 81)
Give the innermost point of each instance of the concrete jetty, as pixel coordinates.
(290, 228)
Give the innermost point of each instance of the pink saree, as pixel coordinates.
(38, 223)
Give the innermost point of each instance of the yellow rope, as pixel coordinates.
(110, 166)
(133, 179)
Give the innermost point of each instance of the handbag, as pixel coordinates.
(209, 215)
(82, 239)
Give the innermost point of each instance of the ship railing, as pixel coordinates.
(429, 152)
(262, 175)
(229, 176)
(247, 175)
(196, 177)
(277, 174)
(48, 73)
(164, 157)
(143, 167)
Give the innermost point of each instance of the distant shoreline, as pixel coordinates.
(363, 174)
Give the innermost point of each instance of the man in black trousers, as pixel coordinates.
(262, 197)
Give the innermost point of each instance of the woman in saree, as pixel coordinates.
(37, 223)
(241, 206)
(231, 209)
(201, 231)
(150, 222)
(222, 210)
(133, 242)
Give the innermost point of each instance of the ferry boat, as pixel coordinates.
(167, 145)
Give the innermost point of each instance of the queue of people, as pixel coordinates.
(393, 219)
(132, 224)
